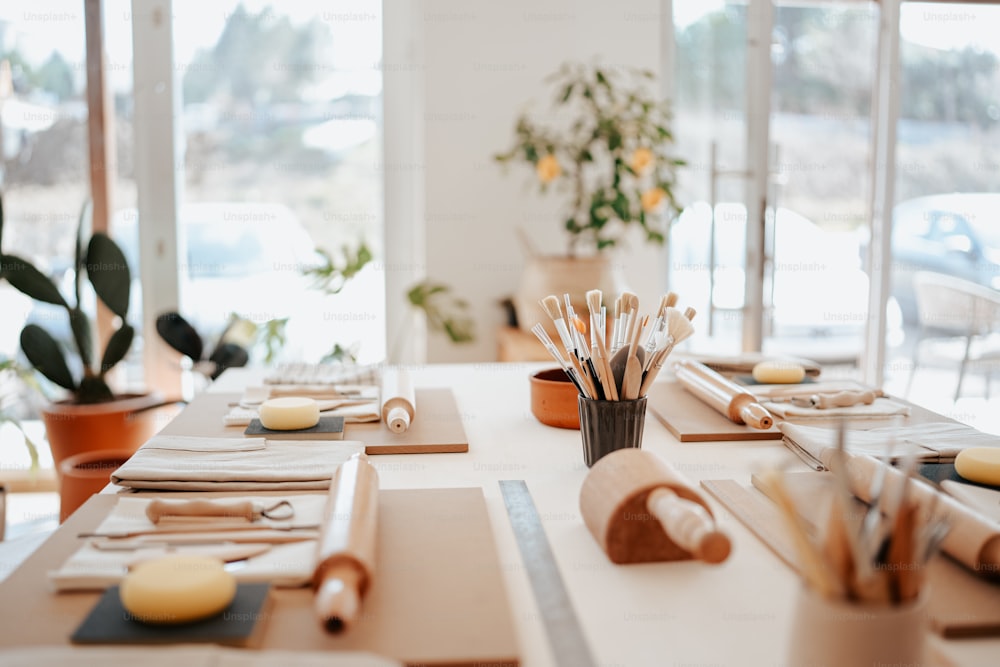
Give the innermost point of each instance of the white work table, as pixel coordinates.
(737, 613)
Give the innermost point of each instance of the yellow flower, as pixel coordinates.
(653, 199)
(548, 169)
(642, 160)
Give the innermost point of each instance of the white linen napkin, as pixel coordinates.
(880, 407)
(285, 565)
(191, 463)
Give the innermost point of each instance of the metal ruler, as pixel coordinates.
(565, 635)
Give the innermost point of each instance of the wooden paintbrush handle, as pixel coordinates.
(725, 396)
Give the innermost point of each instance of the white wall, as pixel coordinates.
(483, 63)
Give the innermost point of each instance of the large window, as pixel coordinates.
(282, 133)
(815, 291)
(281, 141)
(947, 192)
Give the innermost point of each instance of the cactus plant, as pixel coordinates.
(107, 271)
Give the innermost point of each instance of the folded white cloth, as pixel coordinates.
(880, 407)
(324, 374)
(938, 442)
(284, 564)
(190, 463)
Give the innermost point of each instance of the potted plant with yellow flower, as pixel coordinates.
(606, 147)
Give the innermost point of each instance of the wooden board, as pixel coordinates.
(436, 428)
(437, 598)
(691, 420)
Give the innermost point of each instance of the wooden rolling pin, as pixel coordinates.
(398, 406)
(640, 509)
(974, 540)
(346, 553)
(725, 396)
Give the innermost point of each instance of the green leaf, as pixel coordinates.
(117, 348)
(80, 325)
(108, 273)
(83, 227)
(44, 353)
(29, 280)
(567, 91)
(1, 231)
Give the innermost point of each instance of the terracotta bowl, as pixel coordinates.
(84, 474)
(553, 399)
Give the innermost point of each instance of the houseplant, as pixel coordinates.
(605, 147)
(93, 417)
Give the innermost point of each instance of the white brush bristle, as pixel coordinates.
(594, 300)
(551, 306)
(678, 327)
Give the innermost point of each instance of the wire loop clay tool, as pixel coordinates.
(640, 509)
(168, 511)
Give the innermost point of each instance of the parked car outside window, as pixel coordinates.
(957, 234)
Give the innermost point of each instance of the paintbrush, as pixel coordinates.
(810, 559)
(679, 329)
(632, 380)
(594, 305)
(570, 371)
(551, 306)
(588, 358)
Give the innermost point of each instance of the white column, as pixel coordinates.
(159, 172)
(760, 18)
(403, 154)
(885, 112)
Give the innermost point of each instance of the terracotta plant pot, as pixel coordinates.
(82, 475)
(554, 399)
(123, 424)
(558, 275)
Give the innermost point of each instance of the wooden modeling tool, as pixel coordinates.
(640, 509)
(632, 378)
(725, 396)
(346, 553)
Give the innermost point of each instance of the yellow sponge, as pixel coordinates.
(979, 464)
(779, 372)
(177, 589)
(290, 413)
